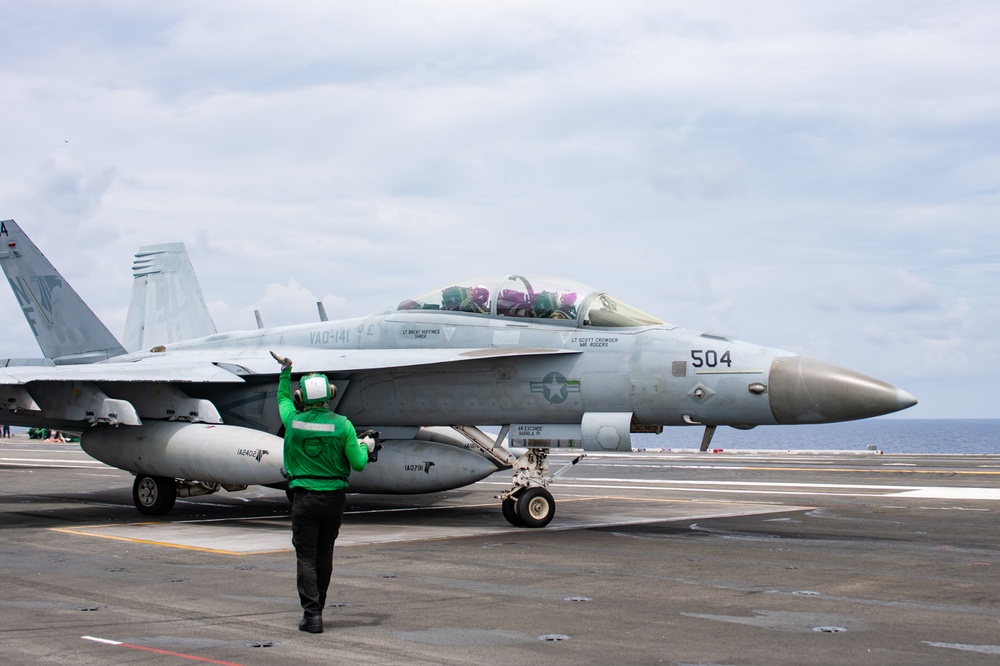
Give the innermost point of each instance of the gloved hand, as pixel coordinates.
(368, 442)
(283, 360)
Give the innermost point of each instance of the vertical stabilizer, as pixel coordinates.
(167, 304)
(66, 329)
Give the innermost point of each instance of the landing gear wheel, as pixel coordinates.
(154, 495)
(535, 507)
(509, 508)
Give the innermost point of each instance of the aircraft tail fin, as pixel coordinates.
(67, 330)
(167, 304)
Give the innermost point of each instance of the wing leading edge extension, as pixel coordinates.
(208, 367)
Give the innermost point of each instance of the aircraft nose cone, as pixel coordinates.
(807, 390)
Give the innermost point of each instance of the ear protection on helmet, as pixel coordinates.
(315, 389)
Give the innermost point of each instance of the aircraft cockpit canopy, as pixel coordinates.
(532, 297)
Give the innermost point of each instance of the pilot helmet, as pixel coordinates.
(544, 302)
(315, 389)
(452, 297)
(480, 294)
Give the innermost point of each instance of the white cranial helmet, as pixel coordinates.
(315, 388)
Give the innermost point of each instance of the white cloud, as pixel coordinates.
(893, 290)
(816, 177)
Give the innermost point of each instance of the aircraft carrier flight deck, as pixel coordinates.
(673, 557)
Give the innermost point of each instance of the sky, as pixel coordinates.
(818, 177)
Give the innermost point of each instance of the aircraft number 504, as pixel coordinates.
(709, 358)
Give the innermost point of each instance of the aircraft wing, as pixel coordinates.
(221, 367)
(127, 389)
(119, 372)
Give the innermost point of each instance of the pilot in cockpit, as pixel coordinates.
(452, 297)
(567, 304)
(478, 300)
(543, 304)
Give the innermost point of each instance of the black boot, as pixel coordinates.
(311, 623)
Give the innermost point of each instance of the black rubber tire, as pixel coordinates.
(509, 508)
(535, 507)
(154, 495)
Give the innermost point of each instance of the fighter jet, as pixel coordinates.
(550, 362)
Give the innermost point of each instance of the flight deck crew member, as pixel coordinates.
(321, 448)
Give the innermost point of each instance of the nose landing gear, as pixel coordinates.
(528, 503)
(529, 507)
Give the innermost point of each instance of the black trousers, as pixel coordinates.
(316, 518)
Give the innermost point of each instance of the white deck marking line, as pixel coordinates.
(930, 492)
(751, 483)
(181, 655)
(101, 640)
(953, 493)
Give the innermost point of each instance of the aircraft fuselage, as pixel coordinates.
(663, 375)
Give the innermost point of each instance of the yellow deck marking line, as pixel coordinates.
(150, 542)
(218, 551)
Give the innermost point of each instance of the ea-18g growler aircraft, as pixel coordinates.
(551, 362)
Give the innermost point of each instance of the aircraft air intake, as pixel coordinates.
(808, 390)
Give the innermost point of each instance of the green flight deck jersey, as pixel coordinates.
(321, 448)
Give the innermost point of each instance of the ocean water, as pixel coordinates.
(888, 435)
